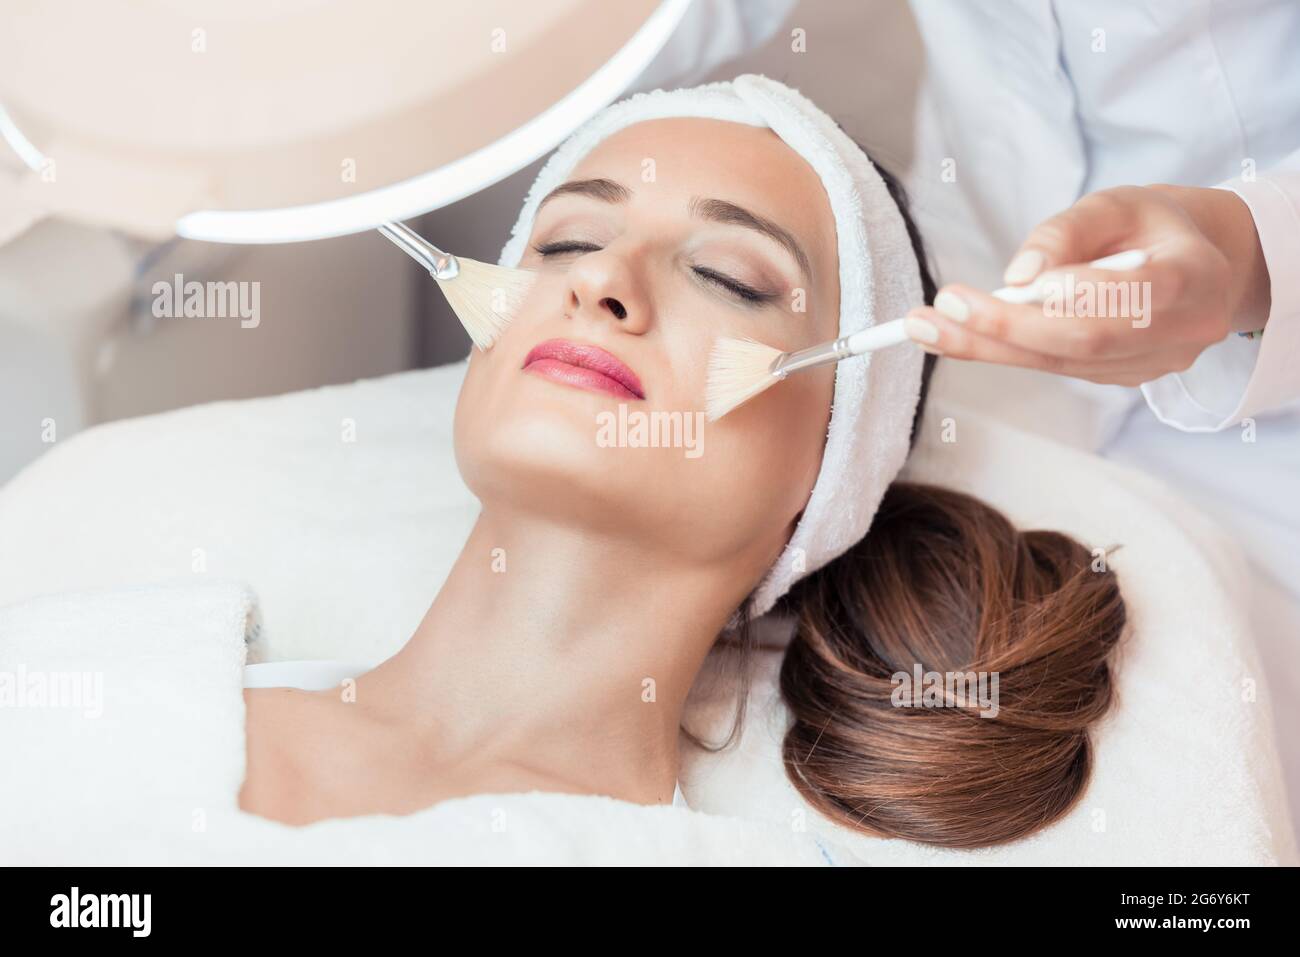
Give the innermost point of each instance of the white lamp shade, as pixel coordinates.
(245, 121)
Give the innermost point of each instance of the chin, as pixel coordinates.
(542, 456)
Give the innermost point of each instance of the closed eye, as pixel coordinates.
(560, 247)
(735, 287)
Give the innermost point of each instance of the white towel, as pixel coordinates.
(147, 769)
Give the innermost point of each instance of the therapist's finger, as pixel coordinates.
(1168, 302)
(938, 333)
(1094, 226)
(1042, 328)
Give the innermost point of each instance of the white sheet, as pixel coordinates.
(115, 785)
(271, 493)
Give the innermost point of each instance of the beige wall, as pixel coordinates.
(331, 311)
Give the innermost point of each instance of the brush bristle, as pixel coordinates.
(739, 369)
(486, 297)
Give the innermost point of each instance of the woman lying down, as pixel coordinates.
(559, 653)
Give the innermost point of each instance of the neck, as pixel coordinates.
(563, 649)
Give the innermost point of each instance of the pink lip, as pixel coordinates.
(583, 366)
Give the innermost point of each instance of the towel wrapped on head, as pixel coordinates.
(875, 395)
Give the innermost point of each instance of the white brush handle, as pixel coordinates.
(1033, 292)
(877, 337)
(892, 332)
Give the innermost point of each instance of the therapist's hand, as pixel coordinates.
(1205, 278)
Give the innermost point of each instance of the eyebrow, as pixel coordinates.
(714, 210)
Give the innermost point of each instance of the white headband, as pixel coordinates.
(871, 414)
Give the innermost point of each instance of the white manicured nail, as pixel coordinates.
(951, 305)
(921, 330)
(1024, 267)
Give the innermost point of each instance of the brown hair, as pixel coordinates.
(944, 583)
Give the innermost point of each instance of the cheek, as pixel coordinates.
(762, 461)
(488, 401)
(467, 430)
(504, 435)
(785, 425)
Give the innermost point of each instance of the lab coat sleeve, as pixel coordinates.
(711, 33)
(1240, 377)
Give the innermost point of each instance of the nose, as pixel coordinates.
(602, 286)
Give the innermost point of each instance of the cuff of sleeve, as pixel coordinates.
(1241, 377)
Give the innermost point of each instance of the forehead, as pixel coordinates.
(678, 158)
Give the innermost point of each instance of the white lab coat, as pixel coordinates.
(1032, 104)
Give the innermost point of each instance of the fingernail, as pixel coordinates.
(1024, 267)
(951, 305)
(921, 330)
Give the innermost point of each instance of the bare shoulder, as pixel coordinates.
(312, 757)
(284, 711)
(283, 729)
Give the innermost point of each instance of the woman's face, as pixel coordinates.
(670, 234)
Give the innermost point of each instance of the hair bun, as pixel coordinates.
(945, 672)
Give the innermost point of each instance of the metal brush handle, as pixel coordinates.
(441, 265)
(819, 355)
